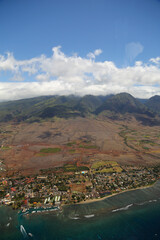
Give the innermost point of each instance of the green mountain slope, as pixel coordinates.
(123, 103)
(154, 104)
(47, 107)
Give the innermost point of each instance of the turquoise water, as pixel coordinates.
(133, 215)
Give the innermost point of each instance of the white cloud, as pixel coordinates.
(155, 60)
(94, 54)
(42, 77)
(8, 63)
(97, 52)
(61, 74)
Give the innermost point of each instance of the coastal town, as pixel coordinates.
(71, 184)
(41, 175)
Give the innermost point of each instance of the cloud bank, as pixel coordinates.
(63, 75)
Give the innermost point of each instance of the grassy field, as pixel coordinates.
(104, 163)
(72, 150)
(5, 148)
(74, 168)
(87, 146)
(71, 143)
(50, 150)
(106, 167)
(141, 139)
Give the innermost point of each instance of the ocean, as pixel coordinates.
(133, 215)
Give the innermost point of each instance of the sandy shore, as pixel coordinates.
(114, 194)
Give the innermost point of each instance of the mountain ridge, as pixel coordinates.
(47, 107)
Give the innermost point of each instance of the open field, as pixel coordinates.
(50, 150)
(28, 147)
(106, 167)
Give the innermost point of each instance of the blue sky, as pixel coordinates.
(107, 46)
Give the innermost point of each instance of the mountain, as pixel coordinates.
(47, 107)
(34, 109)
(154, 103)
(89, 103)
(123, 103)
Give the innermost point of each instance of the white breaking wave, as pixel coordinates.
(30, 234)
(143, 203)
(74, 218)
(89, 216)
(152, 200)
(123, 208)
(23, 231)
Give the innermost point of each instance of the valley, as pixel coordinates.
(27, 148)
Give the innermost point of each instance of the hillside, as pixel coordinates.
(154, 104)
(122, 103)
(113, 106)
(51, 131)
(38, 108)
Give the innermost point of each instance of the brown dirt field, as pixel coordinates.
(26, 140)
(78, 187)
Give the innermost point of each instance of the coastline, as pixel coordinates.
(112, 195)
(33, 210)
(88, 220)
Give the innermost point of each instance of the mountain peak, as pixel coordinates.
(122, 103)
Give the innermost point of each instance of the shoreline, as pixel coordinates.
(29, 211)
(112, 195)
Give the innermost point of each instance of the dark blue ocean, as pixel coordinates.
(133, 215)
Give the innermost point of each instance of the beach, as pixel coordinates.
(112, 195)
(135, 214)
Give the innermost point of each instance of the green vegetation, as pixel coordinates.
(98, 164)
(122, 103)
(146, 148)
(87, 146)
(106, 170)
(106, 167)
(62, 187)
(74, 168)
(147, 141)
(126, 138)
(156, 169)
(48, 107)
(50, 150)
(153, 103)
(118, 169)
(5, 148)
(72, 150)
(71, 143)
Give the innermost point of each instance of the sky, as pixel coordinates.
(81, 47)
